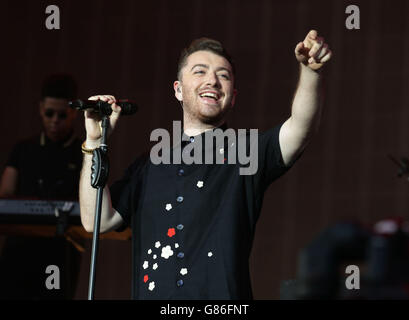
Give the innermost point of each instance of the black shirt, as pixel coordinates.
(47, 169)
(193, 225)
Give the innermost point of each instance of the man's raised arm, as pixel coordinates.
(312, 54)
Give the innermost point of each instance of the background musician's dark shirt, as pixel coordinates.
(47, 169)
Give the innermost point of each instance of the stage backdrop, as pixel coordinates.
(130, 49)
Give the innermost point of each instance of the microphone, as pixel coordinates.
(104, 108)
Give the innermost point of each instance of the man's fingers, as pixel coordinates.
(313, 50)
(116, 109)
(93, 119)
(101, 97)
(322, 52)
(310, 38)
(107, 98)
(316, 47)
(111, 99)
(299, 48)
(313, 34)
(327, 56)
(114, 115)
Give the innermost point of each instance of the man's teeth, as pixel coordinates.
(209, 94)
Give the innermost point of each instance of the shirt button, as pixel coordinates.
(181, 172)
(180, 226)
(180, 255)
(179, 199)
(192, 139)
(179, 283)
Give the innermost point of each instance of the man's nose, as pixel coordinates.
(213, 80)
(55, 117)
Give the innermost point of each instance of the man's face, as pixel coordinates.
(57, 117)
(207, 87)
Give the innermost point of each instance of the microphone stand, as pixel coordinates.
(99, 176)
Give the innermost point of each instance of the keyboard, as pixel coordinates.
(38, 211)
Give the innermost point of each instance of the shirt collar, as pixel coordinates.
(44, 140)
(189, 139)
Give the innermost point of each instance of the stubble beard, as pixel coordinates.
(196, 116)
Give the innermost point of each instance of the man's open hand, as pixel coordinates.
(313, 52)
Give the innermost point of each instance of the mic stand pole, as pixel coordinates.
(99, 175)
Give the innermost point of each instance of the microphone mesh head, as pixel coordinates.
(127, 107)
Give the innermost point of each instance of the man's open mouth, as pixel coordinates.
(210, 97)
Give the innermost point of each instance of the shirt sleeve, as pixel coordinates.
(270, 160)
(125, 192)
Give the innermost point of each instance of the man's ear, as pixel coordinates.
(178, 90)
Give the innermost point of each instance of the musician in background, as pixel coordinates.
(46, 166)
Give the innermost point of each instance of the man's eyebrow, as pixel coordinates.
(207, 67)
(223, 68)
(200, 65)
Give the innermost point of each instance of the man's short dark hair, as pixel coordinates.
(61, 86)
(204, 44)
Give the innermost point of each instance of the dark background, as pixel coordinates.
(130, 49)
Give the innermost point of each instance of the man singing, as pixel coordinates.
(193, 224)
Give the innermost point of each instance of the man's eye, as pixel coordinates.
(225, 76)
(199, 71)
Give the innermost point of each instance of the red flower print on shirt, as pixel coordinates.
(171, 232)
